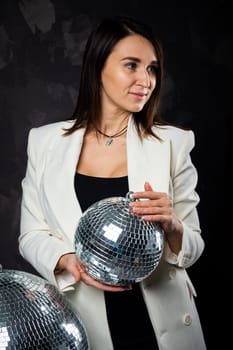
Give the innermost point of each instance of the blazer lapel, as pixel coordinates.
(147, 161)
(59, 175)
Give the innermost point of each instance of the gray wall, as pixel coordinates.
(41, 45)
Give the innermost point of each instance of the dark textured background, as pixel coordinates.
(41, 46)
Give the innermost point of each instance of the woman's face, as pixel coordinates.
(128, 76)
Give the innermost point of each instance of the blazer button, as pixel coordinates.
(187, 319)
(58, 234)
(172, 273)
(185, 260)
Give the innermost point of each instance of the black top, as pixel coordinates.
(127, 314)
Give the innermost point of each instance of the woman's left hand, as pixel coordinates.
(158, 207)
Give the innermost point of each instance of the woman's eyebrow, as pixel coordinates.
(136, 59)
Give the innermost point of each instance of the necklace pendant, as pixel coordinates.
(109, 141)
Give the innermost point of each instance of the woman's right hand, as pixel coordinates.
(71, 264)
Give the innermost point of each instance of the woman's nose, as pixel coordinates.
(143, 78)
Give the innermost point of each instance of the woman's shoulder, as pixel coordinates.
(179, 138)
(43, 137)
(174, 134)
(52, 128)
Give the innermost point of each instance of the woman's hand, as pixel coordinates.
(71, 264)
(159, 208)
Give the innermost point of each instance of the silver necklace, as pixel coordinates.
(110, 138)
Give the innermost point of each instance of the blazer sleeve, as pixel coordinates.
(185, 200)
(39, 244)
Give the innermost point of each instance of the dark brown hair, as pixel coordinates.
(98, 47)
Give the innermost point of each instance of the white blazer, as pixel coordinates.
(50, 213)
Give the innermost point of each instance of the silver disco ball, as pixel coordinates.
(35, 315)
(115, 246)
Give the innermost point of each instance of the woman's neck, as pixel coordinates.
(113, 125)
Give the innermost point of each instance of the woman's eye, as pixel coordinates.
(132, 65)
(152, 69)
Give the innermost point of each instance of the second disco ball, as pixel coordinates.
(35, 315)
(115, 246)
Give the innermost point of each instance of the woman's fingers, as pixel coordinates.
(80, 274)
(94, 283)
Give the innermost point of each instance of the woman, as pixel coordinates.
(114, 143)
